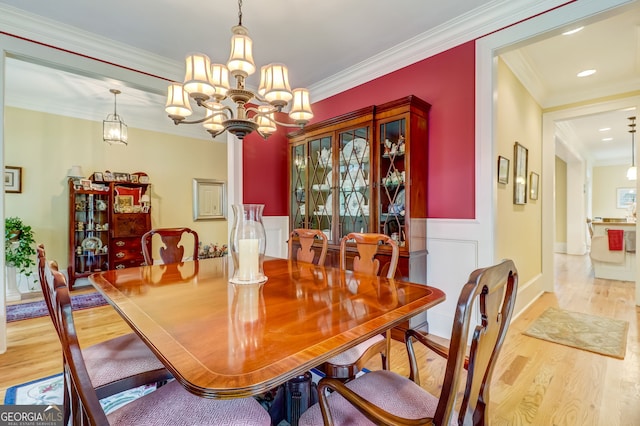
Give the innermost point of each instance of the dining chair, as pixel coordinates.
(173, 251)
(347, 364)
(590, 227)
(384, 397)
(300, 245)
(114, 365)
(169, 404)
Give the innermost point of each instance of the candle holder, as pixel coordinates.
(248, 244)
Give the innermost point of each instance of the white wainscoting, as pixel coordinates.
(277, 230)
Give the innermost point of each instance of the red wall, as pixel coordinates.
(446, 81)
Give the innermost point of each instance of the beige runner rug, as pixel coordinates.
(601, 335)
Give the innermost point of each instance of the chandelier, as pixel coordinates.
(114, 131)
(632, 172)
(208, 86)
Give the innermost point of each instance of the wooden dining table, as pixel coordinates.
(224, 340)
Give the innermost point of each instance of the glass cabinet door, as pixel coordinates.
(298, 186)
(393, 177)
(353, 181)
(321, 184)
(91, 232)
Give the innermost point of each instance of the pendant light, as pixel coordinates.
(114, 131)
(632, 172)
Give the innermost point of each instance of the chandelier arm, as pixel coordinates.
(177, 121)
(257, 112)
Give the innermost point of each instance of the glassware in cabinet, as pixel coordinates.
(298, 196)
(392, 204)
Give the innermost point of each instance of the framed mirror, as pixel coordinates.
(520, 174)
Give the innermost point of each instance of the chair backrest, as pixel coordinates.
(496, 289)
(172, 252)
(48, 283)
(590, 227)
(77, 380)
(305, 239)
(367, 245)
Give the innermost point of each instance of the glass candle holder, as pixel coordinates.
(248, 243)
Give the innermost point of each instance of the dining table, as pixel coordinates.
(223, 340)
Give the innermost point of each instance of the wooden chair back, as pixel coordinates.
(367, 245)
(495, 289)
(85, 403)
(47, 282)
(173, 251)
(301, 245)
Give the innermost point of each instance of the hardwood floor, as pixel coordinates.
(536, 382)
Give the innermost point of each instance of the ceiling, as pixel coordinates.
(343, 38)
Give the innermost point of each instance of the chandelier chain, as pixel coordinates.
(239, 12)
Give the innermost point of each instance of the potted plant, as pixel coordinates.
(18, 252)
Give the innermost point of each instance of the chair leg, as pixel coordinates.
(386, 355)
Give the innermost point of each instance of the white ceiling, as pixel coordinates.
(320, 40)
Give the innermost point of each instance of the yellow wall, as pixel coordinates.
(606, 180)
(561, 201)
(518, 227)
(46, 146)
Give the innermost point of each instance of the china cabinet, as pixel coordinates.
(106, 222)
(365, 171)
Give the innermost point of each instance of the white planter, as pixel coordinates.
(12, 292)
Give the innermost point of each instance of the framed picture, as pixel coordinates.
(209, 199)
(534, 180)
(108, 176)
(134, 178)
(121, 177)
(625, 197)
(503, 169)
(86, 184)
(520, 159)
(13, 179)
(123, 204)
(97, 176)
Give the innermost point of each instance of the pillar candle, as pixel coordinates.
(248, 259)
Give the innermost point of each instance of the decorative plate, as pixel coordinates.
(91, 244)
(400, 198)
(356, 151)
(329, 203)
(354, 202)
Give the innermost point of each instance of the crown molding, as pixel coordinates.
(15, 22)
(472, 25)
(477, 23)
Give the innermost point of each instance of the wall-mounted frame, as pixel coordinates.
(520, 172)
(625, 197)
(503, 169)
(209, 199)
(534, 182)
(13, 179)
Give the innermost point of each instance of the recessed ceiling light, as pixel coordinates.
(572, 31)
(586, 73)
(607, 139)
(605, 129)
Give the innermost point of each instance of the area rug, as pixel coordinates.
(49, 391)
(37, 309)
(601, 335)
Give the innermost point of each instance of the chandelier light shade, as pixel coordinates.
(208, 85)
(632, 172)
(114, 131)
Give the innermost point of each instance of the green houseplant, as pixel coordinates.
(18, 245)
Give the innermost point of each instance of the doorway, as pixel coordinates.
(487, 50)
